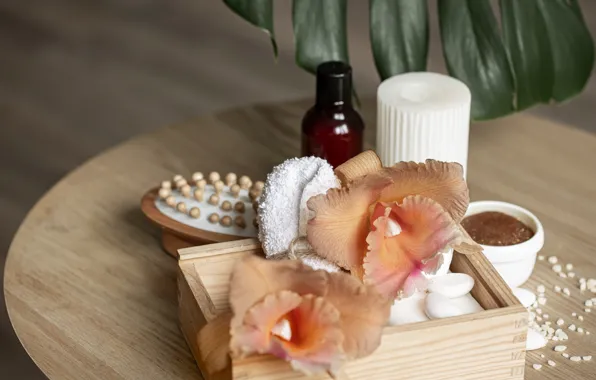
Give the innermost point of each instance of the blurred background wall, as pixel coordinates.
(79, 76)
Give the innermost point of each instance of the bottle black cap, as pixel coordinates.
(334, 84)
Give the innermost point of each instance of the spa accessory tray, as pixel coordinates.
(486, 345)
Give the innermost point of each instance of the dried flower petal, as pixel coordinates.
(426, 229)
(438, 180)
(364, 313)
(253, 278)
(340, 225)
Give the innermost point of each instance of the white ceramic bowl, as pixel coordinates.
(514, 263)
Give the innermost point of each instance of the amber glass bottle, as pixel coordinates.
(332, 129)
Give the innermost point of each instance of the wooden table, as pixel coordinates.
(92, 296)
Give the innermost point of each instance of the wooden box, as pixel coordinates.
(485, 345)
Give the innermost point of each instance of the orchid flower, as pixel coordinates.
(315, 320)
(388, 225)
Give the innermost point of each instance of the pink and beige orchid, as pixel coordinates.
(389, 225)
(315, 320)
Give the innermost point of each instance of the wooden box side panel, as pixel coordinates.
(490, 290)
(489, 347)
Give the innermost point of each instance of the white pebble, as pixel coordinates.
(452, 285)
(560, 322)
(569, 267)
(557, 289)
(553, 259)
(566, 292)
(545, 316)
(589, 303)
(542, 356)
(572, 327)
(565, 355)
(574, 314)
(582, 279)
(438, 306)
(551, 363)
(560, 348)
(587, 358)
(582, 286)
(587, 310)
(557, 268)
(575, 358)
(535, 340)
(541, 289)
(591, 283)
(580, 317)
(541, 300)
(537, 366)
(562, 275)
(540, 258)
(580, 330)
(526, 297)
(571, 274)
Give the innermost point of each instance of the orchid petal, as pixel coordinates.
(438, 180)
(364, 313)
(426, 229)
(253, 278)
(340, 225)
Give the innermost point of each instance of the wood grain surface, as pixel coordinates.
(91, 295)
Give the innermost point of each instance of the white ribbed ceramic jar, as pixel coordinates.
(423, 115)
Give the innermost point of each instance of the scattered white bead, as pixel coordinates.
(545, 316)
(572, 327)
(557, 268)
(553, 259)
(569, 266)
(551, 363)
(587, 310)
(541, 300)
(560, 348)
(582, 286)
(557, 289)
(591, 283)
(571, 274)
(562, 275)
(587, 357)
(580, 330)
(574, 314)
(541, 289)
(565, 355)
(560, 322)
(588, 303)
(537, 366)
(542, 356)
(580, 317)
(575, 358)
(566, 292)
(541, 258)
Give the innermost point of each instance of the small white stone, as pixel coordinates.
(560, 348)
(526, 297)
(551, 363)
(575, 358)
(582, 286)
(534, 340)
(541, 301)
(565, 355)
(540, 258)
(542, 356)
(569, 266)
(566, 292)
(553, 259)
(560, 322)
(451, 285)
(588, 303)
(557, 289)
(562, 275)
(438, 306)
(571, 274)
(591, 283)
(580, 317)
(574, 314)
(582, 279)
(587, 333)
(557, 268)
(587, 310)
(587, 357)
(572, 327)
(545, 316)
(537, 366)
(580, 330)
